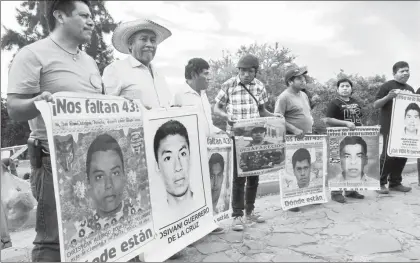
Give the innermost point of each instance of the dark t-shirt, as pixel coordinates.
(386, 110)
(418, 91)
(345, 111)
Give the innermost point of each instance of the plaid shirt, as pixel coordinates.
(239, 103)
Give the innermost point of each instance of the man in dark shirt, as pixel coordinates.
(344, 111)
(391, 167)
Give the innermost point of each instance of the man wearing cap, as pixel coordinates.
(294, 104)
(135, 77)
(50, 65)
(243, 97)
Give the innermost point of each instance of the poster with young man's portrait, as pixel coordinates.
(404, 135)
(303, 176)
(101, 180)
(220, 155)
(259, 145)
(179, 180)
(353, 158)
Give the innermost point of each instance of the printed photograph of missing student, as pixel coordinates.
(304, 168)
(103, 182)
(412, 121)
(220, 184)
(359, 161)
(177, 163)
(261, 159)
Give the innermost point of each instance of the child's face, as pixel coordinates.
(107, 180)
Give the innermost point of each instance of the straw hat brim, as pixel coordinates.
(125, 30)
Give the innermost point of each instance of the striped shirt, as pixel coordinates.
(239, 103)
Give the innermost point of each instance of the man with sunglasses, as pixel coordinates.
(47, 66)
(243, 97)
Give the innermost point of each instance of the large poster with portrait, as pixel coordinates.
(259, 145)
(179, 180)
(404, 134)
(100, 177)
(353, 158)
(220, 155)
(302, 178)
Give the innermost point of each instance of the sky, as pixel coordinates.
(366, 38)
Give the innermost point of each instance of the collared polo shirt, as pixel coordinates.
(132, 79)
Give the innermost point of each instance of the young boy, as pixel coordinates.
(344, 111)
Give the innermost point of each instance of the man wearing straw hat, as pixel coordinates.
(135, 77)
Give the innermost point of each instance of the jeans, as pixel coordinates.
(391, 167)
(47, 246)
(239, 203)
(5, 235)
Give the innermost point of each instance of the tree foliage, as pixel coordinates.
(275, 61)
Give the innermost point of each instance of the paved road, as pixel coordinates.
(379, 228)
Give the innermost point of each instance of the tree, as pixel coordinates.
(34, 26)
(274, 61)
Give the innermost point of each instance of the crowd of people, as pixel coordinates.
(56, 64)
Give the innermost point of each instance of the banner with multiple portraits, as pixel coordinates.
(404, 135)
(353, 158)
(179, 180)
(259, 145)
(130, 181)
(100, 177)
(220, 156)
(303, 174)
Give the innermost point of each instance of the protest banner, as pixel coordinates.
(100, 177)
(303, 175)
(353, 158)
(259, 145)
(179, 180)
(220, 154)
(404, 134)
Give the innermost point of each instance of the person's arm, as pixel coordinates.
(332, 117)
(221, 99)
(265, 113)
(384, 96)
(263, 99)
(23, 87)
(219, 110)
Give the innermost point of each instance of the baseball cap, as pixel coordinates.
(294, 72)
(258, 128)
